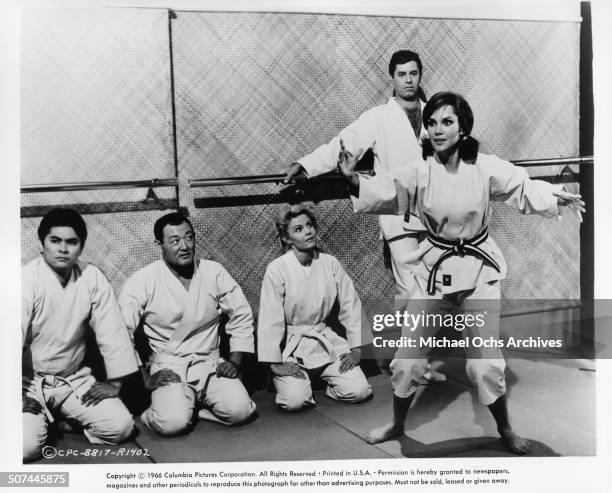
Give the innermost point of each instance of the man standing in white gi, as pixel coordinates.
(61, 296)
(179, 304)
(393, 132)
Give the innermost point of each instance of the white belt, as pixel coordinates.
(42, 380)
(297, 332)
(183, 363)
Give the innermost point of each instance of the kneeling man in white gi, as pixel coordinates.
(179, 303)
(61, 297)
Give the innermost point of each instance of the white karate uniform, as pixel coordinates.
(54, 321)
(386, 130)
(456, 207)
(295, 304)
(182, 327)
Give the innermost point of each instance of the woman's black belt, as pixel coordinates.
(458, 247)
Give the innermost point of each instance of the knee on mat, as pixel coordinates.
(114, 430)
(294, 399)
(31, 449)
(362, 391)
(169, 423)
(352, 391)
(235, 410)
(34, 435)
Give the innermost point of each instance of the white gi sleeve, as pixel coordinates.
(350, 311)
(386, 193)
(133, 300)
(235, 306)
(511, 184)
(358, 137)
(27, 303)
(111, 334)
(271, 320)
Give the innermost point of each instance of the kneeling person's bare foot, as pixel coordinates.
(384, 433)
(515, 443)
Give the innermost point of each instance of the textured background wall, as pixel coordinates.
(255, 92)
(96, 105)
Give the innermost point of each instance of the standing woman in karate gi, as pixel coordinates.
(459, 262)
(297, 296)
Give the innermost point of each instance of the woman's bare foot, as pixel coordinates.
(515, 443)
(384, 433)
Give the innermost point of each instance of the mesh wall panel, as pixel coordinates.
(96, 101)
(257, 91)
(244, 240)
(96, 105)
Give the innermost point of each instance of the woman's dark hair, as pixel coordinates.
(405, 56)
(285, 216)
(468, 145)
(63, 217)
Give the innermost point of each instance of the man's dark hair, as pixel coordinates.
(62, 217)
(405, 56)
(172, 219)
(468, 146)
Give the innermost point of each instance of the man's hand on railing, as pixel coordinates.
(294, 170)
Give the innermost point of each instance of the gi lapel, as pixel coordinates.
(63, 306)
(189, 314)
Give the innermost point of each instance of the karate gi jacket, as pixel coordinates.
(454, 207)
(386, 130)
(54, 320)
(185, 323)
(295, 304)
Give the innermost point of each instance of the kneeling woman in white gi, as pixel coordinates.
(297, 296)
(459, 263)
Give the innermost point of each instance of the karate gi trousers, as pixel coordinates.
(108, 422)
(308, 346)
(485, 366)
(173, 406)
